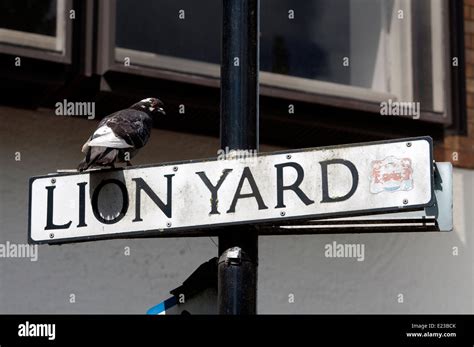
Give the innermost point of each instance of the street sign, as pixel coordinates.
(179, 199)
(437, 217)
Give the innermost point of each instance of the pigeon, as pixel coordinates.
(120, 135)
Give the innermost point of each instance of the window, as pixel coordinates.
(365, 51)
(28, 27)
(191, 45)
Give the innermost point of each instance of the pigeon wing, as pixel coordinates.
(123, 129)
(104, 136)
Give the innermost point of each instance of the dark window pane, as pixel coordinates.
(154, 26)
(34, 16)
(312, 45)
(422, 62)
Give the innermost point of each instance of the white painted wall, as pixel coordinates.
(104, 280)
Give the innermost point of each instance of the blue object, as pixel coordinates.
(163, 306)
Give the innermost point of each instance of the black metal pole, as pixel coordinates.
(238, 247)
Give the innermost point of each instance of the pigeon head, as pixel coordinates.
(151, 106)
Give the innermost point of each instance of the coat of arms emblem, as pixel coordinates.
(391, 174)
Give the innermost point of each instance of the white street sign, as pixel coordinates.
(180, 198)
(438, 217)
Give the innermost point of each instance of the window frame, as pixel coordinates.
(41, 46)
(271, 84)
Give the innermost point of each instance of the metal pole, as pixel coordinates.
(238, 247)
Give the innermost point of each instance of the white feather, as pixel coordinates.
(107, 138)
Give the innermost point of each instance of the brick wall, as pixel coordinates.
(460, 149)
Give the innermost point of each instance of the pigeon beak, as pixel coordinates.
(162, 111)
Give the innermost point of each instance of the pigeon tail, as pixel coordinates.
(98, 156)
(83, 165)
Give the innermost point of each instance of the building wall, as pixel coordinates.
(294, 275)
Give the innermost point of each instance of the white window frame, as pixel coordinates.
(56, 48)
(440, 55)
